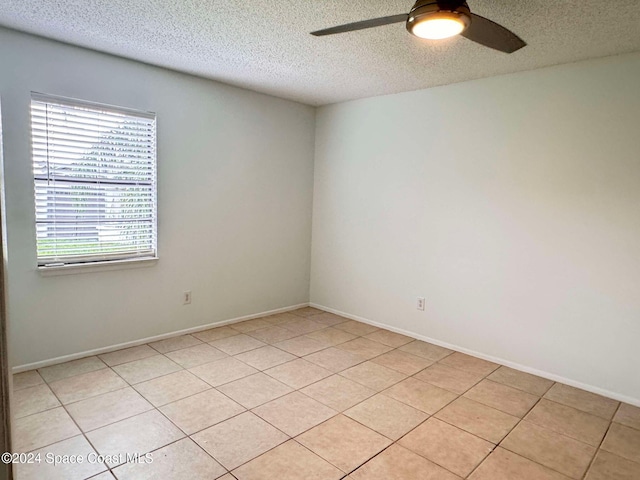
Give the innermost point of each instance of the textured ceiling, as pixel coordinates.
(265, 45)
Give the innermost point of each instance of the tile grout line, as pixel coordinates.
(162, 413)
(84, 434)
(461, 429)
(514, 427)
(249, 410)
(444, 406)
(287, 435)
(393, 442)
(234, 416)
(599, 447)
(246, 410)
(569, 406)
(376, 455)
(111, 367)
(560, 434)
(511, 430)
(110, 469)
(95, 449)
(77, 426)
(339, 373)
(521, 419)
(499, 444)
(187, 436)
(345, 474)
(132, 385)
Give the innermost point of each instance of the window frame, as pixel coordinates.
(99, 264)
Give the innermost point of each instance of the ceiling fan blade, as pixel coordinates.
(490, 34)
(350, 27)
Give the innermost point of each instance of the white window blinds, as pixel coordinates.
(95, 182)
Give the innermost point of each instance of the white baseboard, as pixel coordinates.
(501, 361)
(491, 358)
(155, 338)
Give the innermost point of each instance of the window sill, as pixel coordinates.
(97, 267)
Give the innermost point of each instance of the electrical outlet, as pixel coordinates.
(420, 303)
(186, 298)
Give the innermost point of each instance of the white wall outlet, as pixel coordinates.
(186, 298)
(420, 303)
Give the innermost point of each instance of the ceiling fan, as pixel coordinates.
(439, 19)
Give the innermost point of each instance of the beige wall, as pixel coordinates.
(512, 204)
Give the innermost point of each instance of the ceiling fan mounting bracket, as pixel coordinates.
(441, 5)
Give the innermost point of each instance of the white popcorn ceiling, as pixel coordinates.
(266, 46)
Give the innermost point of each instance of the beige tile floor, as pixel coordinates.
(311, 395)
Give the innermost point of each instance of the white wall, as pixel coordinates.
(512, 204)
(235, 192)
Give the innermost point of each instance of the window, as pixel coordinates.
(94, 171)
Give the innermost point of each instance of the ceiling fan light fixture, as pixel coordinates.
(437, 28)
(438, 19)
(428, 20)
